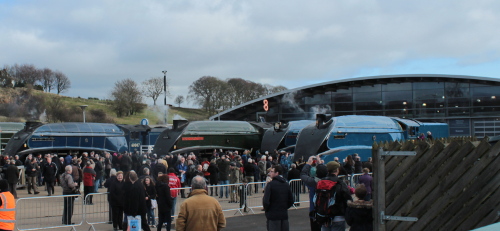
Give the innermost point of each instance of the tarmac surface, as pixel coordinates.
(51, 210)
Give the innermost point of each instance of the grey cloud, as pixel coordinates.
(289, 43)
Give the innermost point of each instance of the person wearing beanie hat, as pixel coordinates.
(7, 207)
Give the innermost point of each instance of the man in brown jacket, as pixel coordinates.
(200, 211)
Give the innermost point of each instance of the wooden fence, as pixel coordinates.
(449, 185)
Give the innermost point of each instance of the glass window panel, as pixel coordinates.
(294, 116)
(342, 97)
(479, 85)
(374, 88)
(319, 99)
(368, 106)
(435, 94)
(481, 111)
(342, 113)
(423, 112)
(458, 102)
(459, 112)
(457, 92)
(342, 106)
(455, 85)
(290, 108)
(369, 113)
(428, 85)
(399, 113)
(319, 109)
(423, 104)
(485, 91)
(368, 97)
(486, 96)
(397, 87)
(397, 99)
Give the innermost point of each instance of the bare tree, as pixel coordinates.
(61, 82)
(179, 100)
(5, 78)
(56, 110)
(28, 74)
(153, 88)
(274, 89)
(48, 79)
(207, 92)
(127, 98)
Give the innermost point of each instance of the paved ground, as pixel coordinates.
(48, 212)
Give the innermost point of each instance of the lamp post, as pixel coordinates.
(83, 107)
(165, 93)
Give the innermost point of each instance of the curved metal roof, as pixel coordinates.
(96, 129)
(367, 81)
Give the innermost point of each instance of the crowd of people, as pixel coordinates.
(138, 184)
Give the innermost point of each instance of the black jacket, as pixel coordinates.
(277, 199)
(163, 198)
(115, 189)
(341, 198)
(293, 174)
(49, 172)
(359, 216)
(134, 199)
(12, 174)
(98, 169)
(223, 166)
(214, 172)
(249, 169)
(150, 193)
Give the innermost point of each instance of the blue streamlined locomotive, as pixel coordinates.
(76, 137)
(345, 135)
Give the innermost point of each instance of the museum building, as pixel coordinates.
(468, 104)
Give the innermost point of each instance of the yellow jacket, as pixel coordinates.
(200, 212)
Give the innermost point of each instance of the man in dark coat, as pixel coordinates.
(135, 200)
(277, 199)
(13, 177)
(125, 163)
(49, 172)
(223, 166)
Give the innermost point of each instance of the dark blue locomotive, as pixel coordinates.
(78, 137)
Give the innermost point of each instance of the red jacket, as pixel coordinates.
(173, 182)
(88, 176)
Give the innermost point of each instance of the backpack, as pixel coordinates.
(324, 200)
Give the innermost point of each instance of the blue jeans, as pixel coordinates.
(224, 182)
(334, 226)
(174, 202)
(151, 216)
(96, 185)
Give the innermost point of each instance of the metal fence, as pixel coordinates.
(47, 212)
(97, 209)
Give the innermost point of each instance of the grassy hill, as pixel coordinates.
(155, 114)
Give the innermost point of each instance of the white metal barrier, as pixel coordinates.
(47, 212)
(299, 194)
(96, 209)
(40, 213)
(255, 199)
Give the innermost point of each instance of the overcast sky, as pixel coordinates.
(289, 43)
